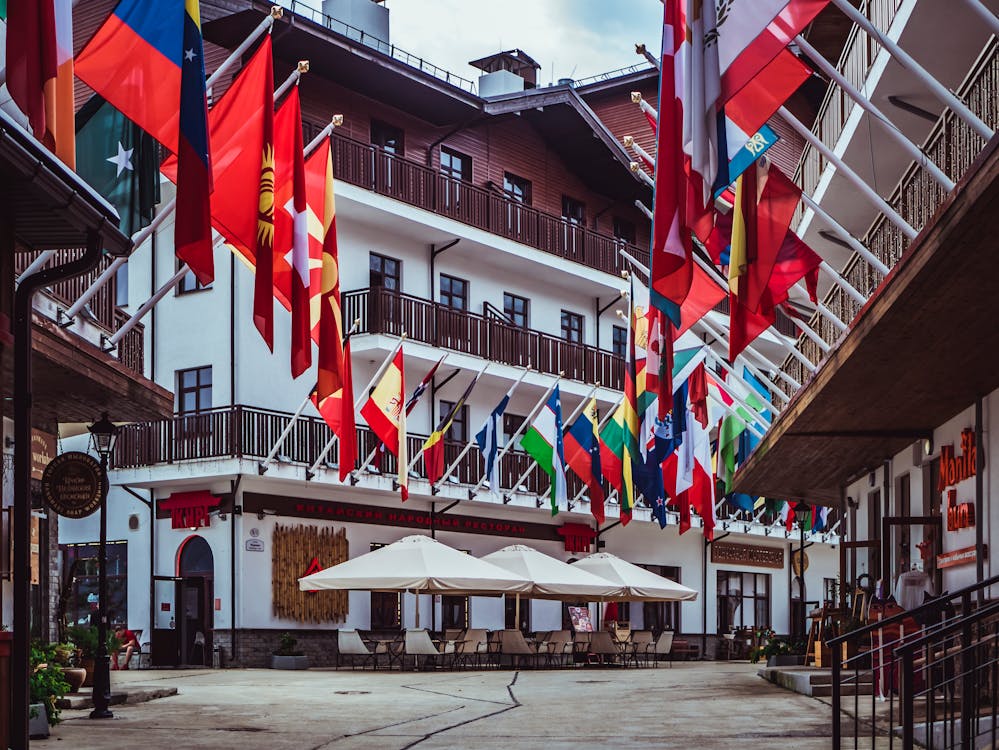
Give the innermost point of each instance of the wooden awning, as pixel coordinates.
(923, 348)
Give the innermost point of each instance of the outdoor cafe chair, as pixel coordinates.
(581, 645)
(559, 647)
(603, 648)
(349, 644)
(642, 645)
(418, 643)
(512, 644)
(663, 647)
(473, 647)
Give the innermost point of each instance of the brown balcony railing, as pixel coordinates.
(953, 145)
(101, 310)
(386, 311)
(408, 181)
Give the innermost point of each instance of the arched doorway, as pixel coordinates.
(195, 594)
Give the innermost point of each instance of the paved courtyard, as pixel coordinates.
(693, 705)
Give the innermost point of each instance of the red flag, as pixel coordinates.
(263, 285)
(744, 326)
(795, 261)
(697, 394)
(766, 93)
(791, 21)
(325, 290)
(240, 128)
(291, 233)
(704, 295)
(337, 410)
(32, 62)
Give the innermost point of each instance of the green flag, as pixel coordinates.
(120, 161)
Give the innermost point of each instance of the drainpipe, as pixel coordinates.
(979, 499)
(887, 548)
(601, 310)
(21, 531)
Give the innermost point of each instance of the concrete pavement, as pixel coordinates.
(692, 705)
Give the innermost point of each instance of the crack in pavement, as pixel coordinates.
(327, 743)
(509, 689)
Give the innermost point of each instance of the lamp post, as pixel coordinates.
(102, 434)
(802, 512)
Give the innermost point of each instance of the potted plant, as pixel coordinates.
(286, 656)
(46, 684)
(779, 652)
(65, 657)
(85, 638)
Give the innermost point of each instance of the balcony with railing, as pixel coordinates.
(418, 185)
(101, 311)
(386, 311)
(953, 145)
(245, 432)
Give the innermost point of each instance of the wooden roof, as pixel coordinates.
(923, 348)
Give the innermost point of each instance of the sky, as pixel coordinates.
(568, 38)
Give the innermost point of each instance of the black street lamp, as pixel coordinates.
(803, 512)
(103, 434)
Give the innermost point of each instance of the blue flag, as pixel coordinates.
(488, 441)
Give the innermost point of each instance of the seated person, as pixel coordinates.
(128, 642)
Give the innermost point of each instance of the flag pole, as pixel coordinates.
(770, 407)
(128, 325)
(753, 413)
(749, 423)
(471, 443)
(311, 471)
(917, 154)
(262, 466)
(848, 172)
(906, 60)
(419, 454)
(566, 423)
(985, 14)
(67, 318)
(857, 246)
(609, 413)
(513, 438)
(641, 174)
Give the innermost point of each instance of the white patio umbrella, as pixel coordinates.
(637, 584)
(418, 564)
(551, 578)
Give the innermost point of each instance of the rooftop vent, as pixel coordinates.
(370, 17)
(506, 72)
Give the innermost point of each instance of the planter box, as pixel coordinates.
(289, 662)
(38, 724)
(786, 660)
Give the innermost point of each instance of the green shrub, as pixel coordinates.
(47, 683)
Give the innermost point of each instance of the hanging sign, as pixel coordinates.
(43, 450)
(73, 484)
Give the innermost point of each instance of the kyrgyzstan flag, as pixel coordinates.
(386, 416)
(241, 128)
(291, 232)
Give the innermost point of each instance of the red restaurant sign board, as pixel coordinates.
(954, 469)
(403, 517)
(189, 510)
(961, 556)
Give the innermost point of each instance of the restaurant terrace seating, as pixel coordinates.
(513, 645)
(642, 645)
(663, 648)
(419, 644)
(349, 644)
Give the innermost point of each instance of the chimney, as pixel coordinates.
(506, 73)
(370, 17)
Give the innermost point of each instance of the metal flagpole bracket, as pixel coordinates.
(277, 12)
(303, 66)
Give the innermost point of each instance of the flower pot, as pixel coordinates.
(38, 723)
(289, 662)
(75, 676)
(88, 665)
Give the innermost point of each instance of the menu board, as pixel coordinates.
(581, 622)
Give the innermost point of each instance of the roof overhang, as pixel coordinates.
(577, 135)
(923, 348)
(49, 205)
(358, 66)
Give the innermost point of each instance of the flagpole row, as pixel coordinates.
(737, 399)
(629, 142)
(636, 97)
(641, 174)
(357, 402)
(753, 413)
(831, 317)
(419, 454)
(848, 172)
(603, 421)
(918, 155)
(843, 284)
(906, 60)
(129, 324)
(236, 55)
(471, 443)
(513, 438)
(565, 425)
(262, 466)
(749, 423)
(857, 246)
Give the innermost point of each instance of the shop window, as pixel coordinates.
(743, 600)
(660, 616)
(454, 612)
(516, 309)
(82, 569)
